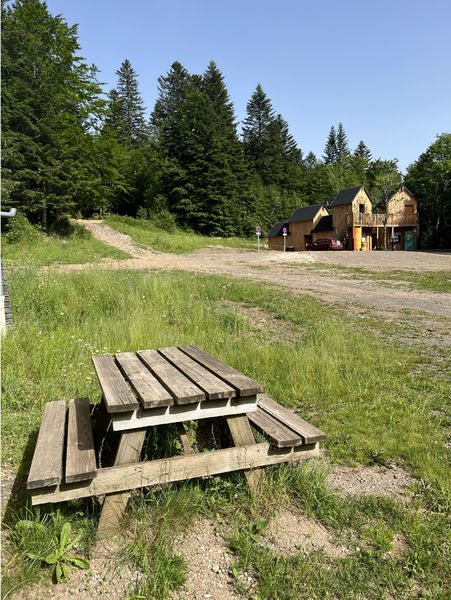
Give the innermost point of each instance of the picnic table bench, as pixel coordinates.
(147, 389)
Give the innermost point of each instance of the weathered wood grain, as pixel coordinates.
(47, 464)
(179, 413)
(180, 387)
(213, 387)
(244, 386)
(309, 433)
(80, 452)
(242, 435)
(282, 436)
(117, 395)
(178, 468)
(114, 505)
(147, 387)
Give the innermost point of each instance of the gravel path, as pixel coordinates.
(296, 271)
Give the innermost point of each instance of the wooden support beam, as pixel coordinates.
(242, 436)
(114, 505)
(177, 468)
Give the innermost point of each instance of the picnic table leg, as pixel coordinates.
(242, 436)
(114, 505)
(103, 423)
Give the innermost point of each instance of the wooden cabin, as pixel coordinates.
(352, 209)
(400, 221)
(302, 224)
(306, 224)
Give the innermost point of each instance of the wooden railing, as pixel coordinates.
(381, 220)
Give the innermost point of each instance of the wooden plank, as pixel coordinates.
(179, 386)
(309, 433)
(147, 387)
(282, 436)
(244, 386)
(80, 452)
(242, 435)
(177, 468)
(184, 412)
(114, 505)
(213, 387)
(116, 393)
(47, 464)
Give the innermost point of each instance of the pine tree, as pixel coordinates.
(129, 106)
(51, 103)
(257, 134)
(342, 143)
(165, 118)
(330, 155)
(363, 152)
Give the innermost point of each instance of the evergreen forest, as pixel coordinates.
(69, 147)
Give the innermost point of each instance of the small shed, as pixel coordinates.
(275, 235)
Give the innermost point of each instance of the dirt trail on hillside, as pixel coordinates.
(295, 271)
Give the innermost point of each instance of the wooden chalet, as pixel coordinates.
(400, 221)
(306, 224)
(394, 227)
(352, 207)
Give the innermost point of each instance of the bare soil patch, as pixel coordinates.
(290, 533)
(377, 480)
(208, 562)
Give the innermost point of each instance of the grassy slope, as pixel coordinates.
(47, 250)
(145, 232)
(362, 391)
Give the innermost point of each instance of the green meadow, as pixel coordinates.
(375, 401)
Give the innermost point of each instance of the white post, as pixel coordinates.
(285, 233)
(259, 232)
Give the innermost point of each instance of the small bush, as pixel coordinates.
(164, 220)
(19, 230)
(64, 227)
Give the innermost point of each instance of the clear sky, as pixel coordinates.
(381, 68)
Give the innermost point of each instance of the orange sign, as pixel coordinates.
(357, 238)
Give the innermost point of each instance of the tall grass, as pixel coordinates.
(355, 387)
(173, 240)
(44, 250)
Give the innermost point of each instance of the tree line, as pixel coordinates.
(69, 148)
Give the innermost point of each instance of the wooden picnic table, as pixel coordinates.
(150, 388)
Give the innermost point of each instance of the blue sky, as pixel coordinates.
(381, 68)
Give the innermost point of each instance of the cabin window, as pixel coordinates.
(361, 208)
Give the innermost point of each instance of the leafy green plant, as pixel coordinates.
(59, 555)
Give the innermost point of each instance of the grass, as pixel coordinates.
(363, 391)
(47, 250)
(345, 379)
(177, 241)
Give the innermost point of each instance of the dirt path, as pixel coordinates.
(296, 271)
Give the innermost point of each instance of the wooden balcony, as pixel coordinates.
(381, 220)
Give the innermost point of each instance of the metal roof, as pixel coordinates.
(276, 229)
(347, 195)
(305, 213)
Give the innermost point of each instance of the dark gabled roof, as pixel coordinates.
(324, 224)
(277, 229)
(305, 213)
(347, 196)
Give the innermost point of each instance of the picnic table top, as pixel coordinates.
(169, 376)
